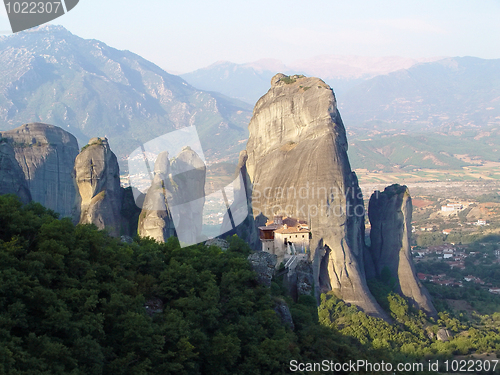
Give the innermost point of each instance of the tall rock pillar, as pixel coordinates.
(11, 175)
(175, 200)
(46, 155)
(298, 166)
(390, 217)
(98, 180)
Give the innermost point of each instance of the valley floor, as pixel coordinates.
(489, 171)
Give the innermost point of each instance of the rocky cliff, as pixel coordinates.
(174, 202)
(98, 181)
(241, 221)
(11, 175)
(91, 89)
(155, 219)
(390, 217)
(46, 155)
(298, 165)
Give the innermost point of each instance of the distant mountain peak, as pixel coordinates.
(49, 75)
(48, 28)
(220, 63)
(262, 65)
(249, 81)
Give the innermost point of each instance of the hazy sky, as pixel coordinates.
(182, 36)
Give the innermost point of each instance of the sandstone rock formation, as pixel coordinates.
(283, 311)
(98, 180)
(299, 280)
(219, 242)
(390, 217)
(264, 264)
(298, 165)
(444, 334)
(46, 155)
(305, 279)
(174, 202)
(241, 222)
(130, 212)
(11, 175)
(155, 219)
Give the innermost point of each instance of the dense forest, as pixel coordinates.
(74, 300)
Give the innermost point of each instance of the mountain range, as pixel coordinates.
(399, 112)
(49, 75)
(458, 90)
(248, 82)
(399, 92)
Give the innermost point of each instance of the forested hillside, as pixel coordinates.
(74, 300)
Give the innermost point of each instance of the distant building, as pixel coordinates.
(285, 237)
(450, 207)
(456, 264)
(422, 276)
(480, 222)
(448, 253)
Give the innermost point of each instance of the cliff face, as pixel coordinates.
(241, 221)
(11, 175)
(174, 202)
(155, 219)
(188, 175)
(86, 86)
(298, 165)
(46, 155)
(390, 217)
(98, 181)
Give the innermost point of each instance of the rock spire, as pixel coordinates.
(11, 175)
(174, 202)
(46, 155)
(390, 217)
(298, 166)
(98, 180)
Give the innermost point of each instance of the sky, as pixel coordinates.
(182, 36)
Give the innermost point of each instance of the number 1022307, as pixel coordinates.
(33, 7)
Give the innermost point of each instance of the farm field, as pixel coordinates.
(489, 171)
